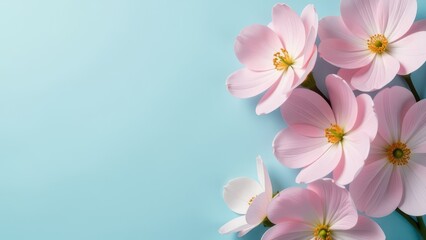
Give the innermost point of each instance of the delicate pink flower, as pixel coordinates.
(248, 198)
(394, 174)
(373, 41)
(323, 211)
(323, 139)
(277, 57)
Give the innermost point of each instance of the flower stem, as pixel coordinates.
(419, 225)
(410, 84)
(310, 83)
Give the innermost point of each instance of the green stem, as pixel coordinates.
(310, 83)
(422, 227)
(410, 84)
(419, 225)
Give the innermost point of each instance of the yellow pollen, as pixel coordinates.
(377, 43)
(322, 232)
(334, 133)
(282, 60)
(398, 154)
(251, 200)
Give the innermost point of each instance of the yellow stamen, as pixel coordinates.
(322, 232)
(251, 200)
(334, 133)
(377, 43)
(398, 154)
(282, 60)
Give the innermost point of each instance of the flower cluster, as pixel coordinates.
(356, 153)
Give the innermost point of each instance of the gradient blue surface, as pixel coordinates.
(115, 122)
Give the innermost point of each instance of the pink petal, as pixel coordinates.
(235, 225)
(277, 94)
(309, 18)
(238, 192)
(295, 151)
(308, 108)
(366, 119)
(391, 104)
(414, 198)
(417, 26)
(418, 157)
(355, 150)
(245, 83)
(377, 190)
(410, 51)
(360, 17)
(397, 17)
(413, 130)
(263, 176)
(377, 149)
(345, 54)
(339, 209)
(256, 213)
(334, 27)
(347, 74)
(296, 204)
(290, 28)
(289, 231)
(365, 228)
(309, 52)
(303, 71)
(322, 166)
(343, 101)
(380, 72)
(255, 47)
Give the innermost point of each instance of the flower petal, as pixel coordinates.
(295, 151)
(365, 228)
(289, 231)
(418, 26)
(322, 166)
(343, 101)
(414, 198)
(295, 204)
(258, 209)
(347, 74)
(413, 130)
(290, 28)
(238, 192)
(308, 108)
(356, 146)
(263, 176)
(380, 72)
(339, 209)
(397, 17)
(391, 104)
(360, 17)
(245, 231)
(334, 27)
(277, 94)
(345, 54)
(245, 83)
(302, 71)
(410, 51)
(235, 225)
(377, 190)
(309, 18)
(366, 118)
(255, 47)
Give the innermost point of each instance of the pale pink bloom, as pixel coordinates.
(277, 57)
(249, 198)
(373, 41)
(321, 139)
(394, 174)
(323, 211)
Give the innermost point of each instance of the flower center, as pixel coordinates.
(377, 43)
(322, 232)
(334, 133)
(282, 60)
(398, 153)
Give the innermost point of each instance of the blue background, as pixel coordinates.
(115, 122)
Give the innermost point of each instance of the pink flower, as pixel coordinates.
(373, 41)
(248, 198)
(394, 174)
(322, 139)
(323, 211)
(277, 57)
